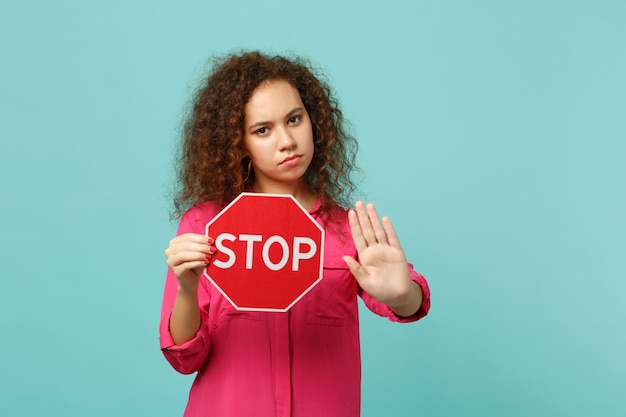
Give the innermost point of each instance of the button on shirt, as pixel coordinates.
(302, 363)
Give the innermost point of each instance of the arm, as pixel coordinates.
(187, 256)
(383, 272)
(183, 330)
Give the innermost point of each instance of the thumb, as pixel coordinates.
(355, 268)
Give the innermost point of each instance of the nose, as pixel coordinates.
(286, 140)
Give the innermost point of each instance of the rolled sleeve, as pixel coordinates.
(385, 311)
(188, 357)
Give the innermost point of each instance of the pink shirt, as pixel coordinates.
(302, 363)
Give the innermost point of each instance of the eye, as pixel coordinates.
(294, 119)
(261, 131)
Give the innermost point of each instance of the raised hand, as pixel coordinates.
(383, 271)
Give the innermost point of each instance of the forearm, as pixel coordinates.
(185, 319)
(409, 303)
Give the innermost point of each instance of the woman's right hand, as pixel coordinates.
(187, 256)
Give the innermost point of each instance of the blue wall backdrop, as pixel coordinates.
(492, 133)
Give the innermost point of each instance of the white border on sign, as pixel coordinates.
(247, 194)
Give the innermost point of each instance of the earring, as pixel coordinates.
(248, 174)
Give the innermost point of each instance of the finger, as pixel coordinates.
(207, 258)
(366, 225)
(379, 230)
(183, 252)
(192, 242)
(178, 246)
(355, 268)
(187, 252)
(192, 237)
(357, 233)
(197, 267)
(194, 247)
(391, 233)
(186, 259)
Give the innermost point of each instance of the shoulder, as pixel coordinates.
(199, 215)
(335, 217)
(338, 238)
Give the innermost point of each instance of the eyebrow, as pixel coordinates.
(288, 115)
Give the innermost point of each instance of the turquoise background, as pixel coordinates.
(492, 133)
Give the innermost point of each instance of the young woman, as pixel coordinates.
(270, 125)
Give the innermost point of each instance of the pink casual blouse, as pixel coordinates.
(302, 363)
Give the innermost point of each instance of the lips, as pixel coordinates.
(291, 159)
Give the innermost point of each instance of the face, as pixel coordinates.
(278, 137)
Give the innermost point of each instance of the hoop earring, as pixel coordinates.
(248, 174)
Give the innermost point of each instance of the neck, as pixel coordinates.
(299, 190)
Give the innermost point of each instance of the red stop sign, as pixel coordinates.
(269, 252)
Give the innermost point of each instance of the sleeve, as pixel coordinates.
(384, 310)
(188, 357)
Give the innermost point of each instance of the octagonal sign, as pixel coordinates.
(269, 252)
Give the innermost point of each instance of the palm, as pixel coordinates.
(382, 270)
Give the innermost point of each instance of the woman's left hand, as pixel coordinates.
(383, 271)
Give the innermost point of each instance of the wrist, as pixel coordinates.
(188, 289)
(409, 302)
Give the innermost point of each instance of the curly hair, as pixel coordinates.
(212, 163)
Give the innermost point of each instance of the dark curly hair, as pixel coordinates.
(212, 164)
